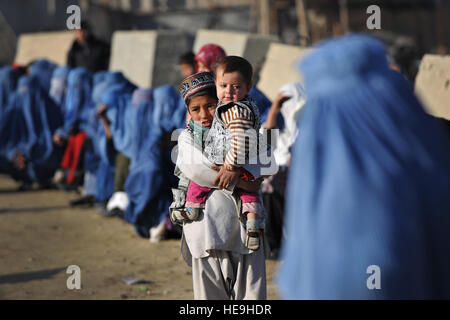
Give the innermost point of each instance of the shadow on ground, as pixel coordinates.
(29, 276)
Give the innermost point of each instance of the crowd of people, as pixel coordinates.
(83, 129)
(362, 172)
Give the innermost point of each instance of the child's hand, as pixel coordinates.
(229, 167)
(225, 178)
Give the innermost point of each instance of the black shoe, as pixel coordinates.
(25, 187)
(116, 212)
(86, 200)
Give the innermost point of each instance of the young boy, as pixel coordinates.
(236, 115)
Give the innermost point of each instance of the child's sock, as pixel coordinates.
(252, 224)
(252, 240)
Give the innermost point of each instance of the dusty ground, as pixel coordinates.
(40, 236)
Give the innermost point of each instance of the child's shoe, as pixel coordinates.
(193, 213)
(180, 215)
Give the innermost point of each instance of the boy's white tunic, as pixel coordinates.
(218, 228)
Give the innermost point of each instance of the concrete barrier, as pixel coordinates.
(233, 43)
(53, 46)
(148, 58)
(432, 85)
(280, 67)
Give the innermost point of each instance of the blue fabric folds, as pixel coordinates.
(169, 108)
(149, 183)
(43, 70)
(369, 184)
(142, 122)
(78, 101)
(28, 125)
(58, 85)
(114, 92)
(8, 84)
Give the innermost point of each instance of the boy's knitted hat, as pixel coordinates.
(195, 83)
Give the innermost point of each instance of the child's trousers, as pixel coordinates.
(225, 275)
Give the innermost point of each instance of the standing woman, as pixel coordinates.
(368, 195)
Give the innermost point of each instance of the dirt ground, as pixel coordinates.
(40, 236)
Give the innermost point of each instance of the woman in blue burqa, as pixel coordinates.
(148, 186)
(8, 84)
(27, 126)
(43, 69)
(71, 135)
(368, 203)
(110, 138)
(90, 150)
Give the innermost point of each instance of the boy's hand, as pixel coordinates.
(225, 178)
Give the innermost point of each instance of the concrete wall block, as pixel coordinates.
(280, 67)
(233, 43)
(148, 58)
(133, 53)
(432, 85)
(53, 46)
(170, 46)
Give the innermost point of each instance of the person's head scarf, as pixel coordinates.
(369, 184)
(58, 84)
(43, 69)
(141, 122)
(169, 108)
(78, 99)
(117, 99)
(8, 84)
(209, 55)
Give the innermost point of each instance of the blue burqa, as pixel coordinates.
(28, 125)
(58, 85)
(8, 84)
(112, 92)
(120, 113)
(368, 203)
(78, 101)
(92, 125)
(43, 69)
(151, 177)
